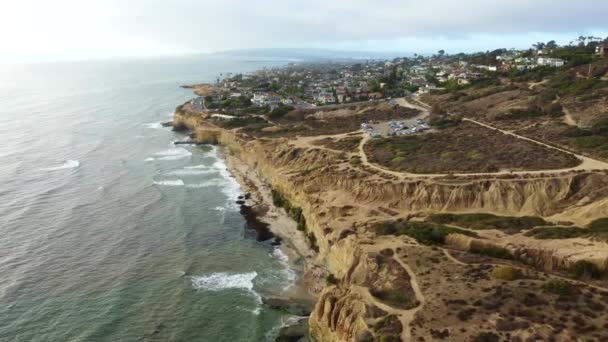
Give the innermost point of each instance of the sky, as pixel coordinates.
(35, 30)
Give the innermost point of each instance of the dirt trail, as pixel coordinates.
(568, 119)
(533, 85)
(460, 262)
(405, 316)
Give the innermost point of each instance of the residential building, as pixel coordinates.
(552, 62)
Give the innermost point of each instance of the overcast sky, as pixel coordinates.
(78, 29)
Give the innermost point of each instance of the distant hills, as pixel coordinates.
(311, 54)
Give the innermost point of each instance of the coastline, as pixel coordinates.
(293, 244)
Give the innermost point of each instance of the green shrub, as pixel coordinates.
(277, 198)
(494, 252)
(486, 337)
(312, 242)
(242, 122)
(294, 212)
(507, 273)
(558, 232)
(396, 297)
(558, 287)
(597, 229)
(586, 269)
(280, 111)
(599, 224)
(423, 232)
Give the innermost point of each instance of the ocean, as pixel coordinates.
(110, 232)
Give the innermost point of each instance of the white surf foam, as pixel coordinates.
(232, 188)
(173, 182)
(68, 164)
(154, 125)
(171, 154)
(196, 167)
(207, 184)
(288, 273)
(224, 281)
(190, 172)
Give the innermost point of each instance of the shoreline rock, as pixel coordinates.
(296, 332)
(294, 306)
(254, 224)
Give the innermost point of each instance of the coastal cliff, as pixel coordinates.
(372, 293)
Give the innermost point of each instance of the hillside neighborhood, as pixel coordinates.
(305, 86)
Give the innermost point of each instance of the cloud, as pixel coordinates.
(194, 25)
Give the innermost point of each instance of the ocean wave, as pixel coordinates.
(154, 125)
(68, 164)
(173, 182)
(225, 281)
(196, 167)
(232, 188)
(288, 273)
(218, 182)
(190, 172)
(171, 154)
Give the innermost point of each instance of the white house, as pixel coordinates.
(223, 117)
(552, 62)
(259, 99)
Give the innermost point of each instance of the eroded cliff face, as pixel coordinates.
(338, 199)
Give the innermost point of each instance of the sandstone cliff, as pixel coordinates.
(338, 201)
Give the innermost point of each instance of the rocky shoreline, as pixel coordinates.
(269, 223)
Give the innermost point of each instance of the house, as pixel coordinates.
(259, 98)
(223, 117)
(326, 99)
(552, 62)
(601, 50)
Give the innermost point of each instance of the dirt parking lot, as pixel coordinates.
(397, 127)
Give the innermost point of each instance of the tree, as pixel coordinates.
(539, 45)
(581, 41)
(552, 45)
(441, 53)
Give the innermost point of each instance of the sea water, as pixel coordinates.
(109, 232)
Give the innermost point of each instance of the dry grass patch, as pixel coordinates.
(465, 148)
